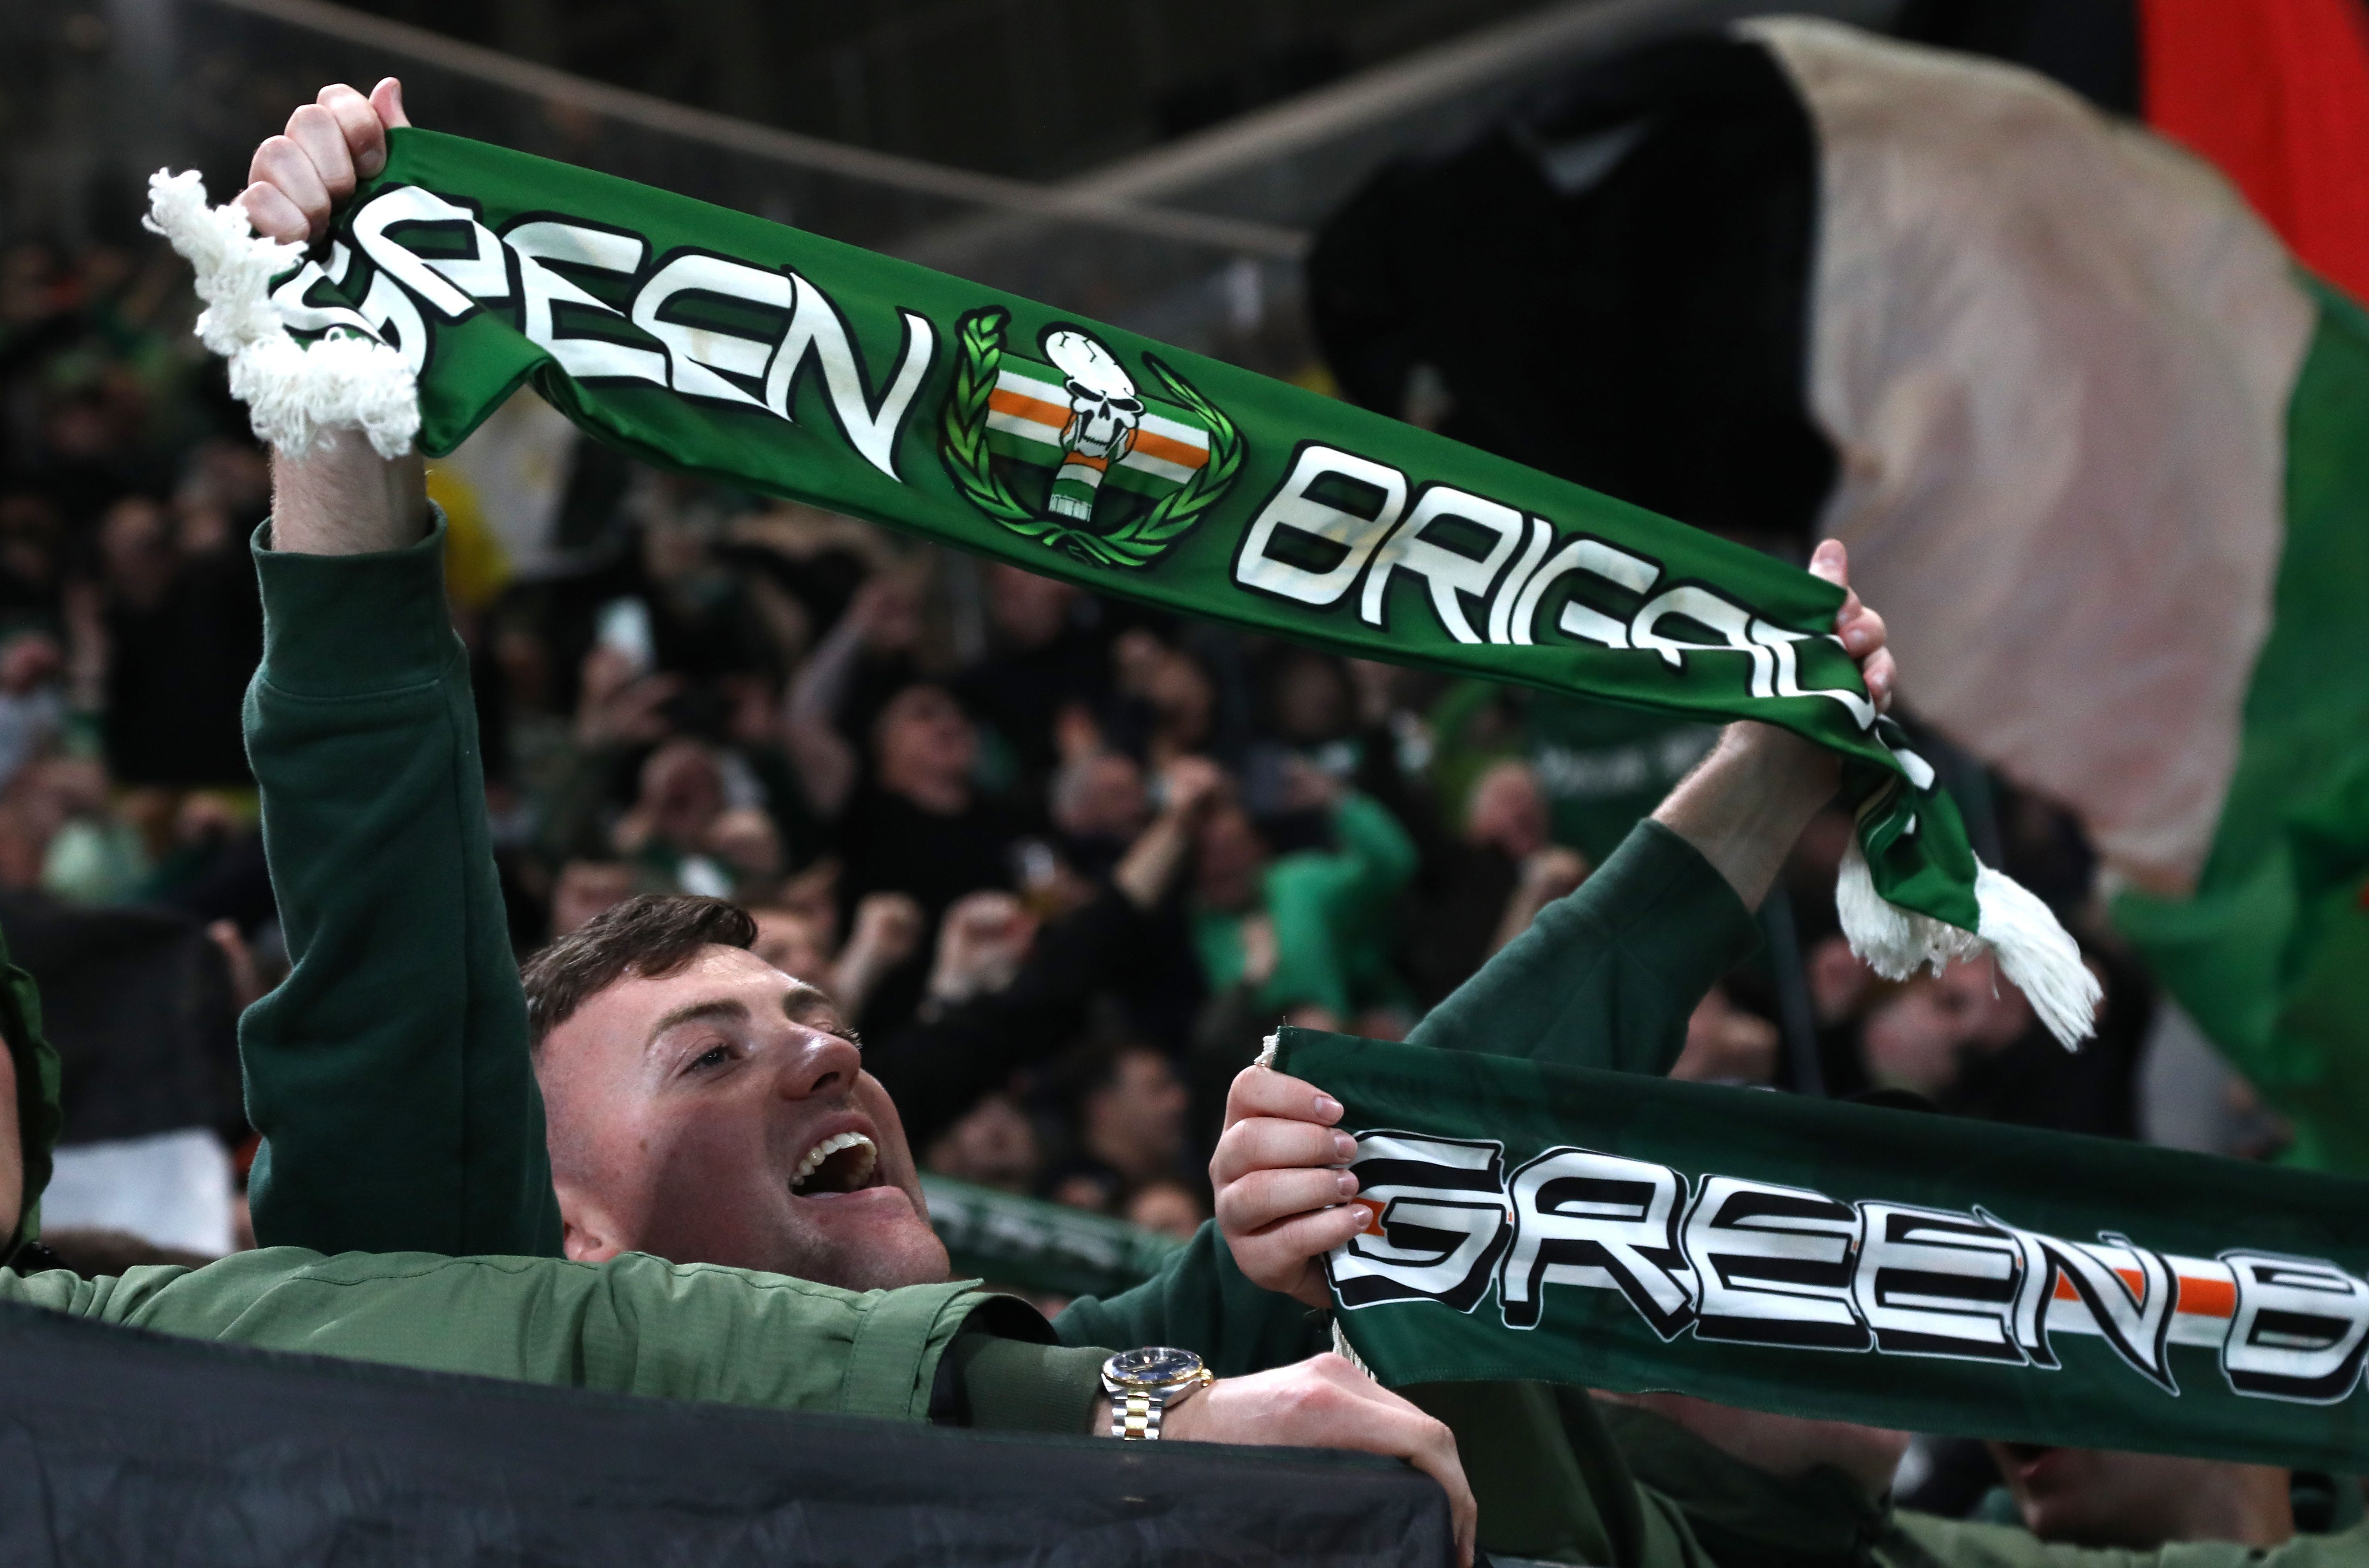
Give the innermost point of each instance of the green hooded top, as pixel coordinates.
(39, 1117)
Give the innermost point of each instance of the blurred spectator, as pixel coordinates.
(1727, 1045)
(1309, 932)
(995, 1144)
(1968, 1041)
(1482, 889)
(1129, 1110)
(1169, 1207)
(2141, 1502)
(1050, 657)
(585, 889)
(798, 941)
(182, 631)
(32, 707)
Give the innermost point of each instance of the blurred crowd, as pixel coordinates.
(1064, 860)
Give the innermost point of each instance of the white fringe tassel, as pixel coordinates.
(294, 392)
(2038, 956)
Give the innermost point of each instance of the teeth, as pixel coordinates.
(828, 1147)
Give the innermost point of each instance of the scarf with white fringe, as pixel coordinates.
(717, 343)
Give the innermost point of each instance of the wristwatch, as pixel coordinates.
(1144, 1383)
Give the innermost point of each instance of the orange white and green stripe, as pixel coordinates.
(1029, 408)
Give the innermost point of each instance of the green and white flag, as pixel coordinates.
(1842, 1261)
(721, 344)
(2104, 462)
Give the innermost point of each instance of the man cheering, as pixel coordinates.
(705, 1107)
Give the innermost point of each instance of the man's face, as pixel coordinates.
(1228, 858)
(718, 1115)
(798, 945)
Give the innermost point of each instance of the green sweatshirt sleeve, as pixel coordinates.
(388, 1074)
(1606, 978)
(633, 1325)
(1009, 1385)
(1201, 1301)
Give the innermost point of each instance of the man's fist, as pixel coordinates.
(342, 497)
(1325, 1402)
(1282, 1180)
(1860, 629)
(329, 145)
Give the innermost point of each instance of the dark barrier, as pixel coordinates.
(119, 1447)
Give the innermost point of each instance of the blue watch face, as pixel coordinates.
(1154, 1366)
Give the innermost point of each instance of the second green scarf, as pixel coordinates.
(1843, 1262)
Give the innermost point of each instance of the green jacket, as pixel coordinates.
(633, 1325)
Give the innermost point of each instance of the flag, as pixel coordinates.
(2098, 445)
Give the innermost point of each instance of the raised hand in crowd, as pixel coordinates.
(1746, 803)
(887, 928)
(341, 498)
(1547, 874)
(982, 942)
(883, 618)
(1189, 787)
(618, 704)
(1727, 1045)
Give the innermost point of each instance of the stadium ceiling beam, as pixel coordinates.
(1435, 90)
(1509, 54)
(1018, 197)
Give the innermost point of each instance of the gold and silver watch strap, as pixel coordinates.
(1136, 1413)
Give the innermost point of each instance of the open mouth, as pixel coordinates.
(844, 1162)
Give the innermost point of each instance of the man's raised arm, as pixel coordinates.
(388, 1075)
(1604, 978)
(1608, 976)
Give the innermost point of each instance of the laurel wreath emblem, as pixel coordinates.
(1136, 544)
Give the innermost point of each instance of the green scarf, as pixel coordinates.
(721, 344)
(1843, 1262)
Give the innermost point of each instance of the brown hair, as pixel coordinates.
(652, 936)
